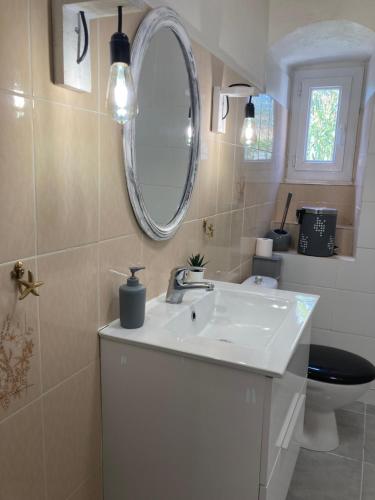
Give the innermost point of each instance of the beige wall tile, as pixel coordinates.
(116, 255)
(21, 457)
(207, 179)
(116, 214)
(66, 158)
(188, 241)
(193, 211)
(236, 237)
(42, 59)
(17, 207)
(159, 257)
(68, 312)
(225, 177)
(89, 490)
(248, 233)
(239, 180)
(246, 269)
(14, 46)
(19, 345)
(71, 414)
(344, 241)
(234, 276)
(218, 249)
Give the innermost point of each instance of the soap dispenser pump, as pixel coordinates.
(132, 301)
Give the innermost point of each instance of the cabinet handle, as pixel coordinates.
(293, 422)
(287, 420)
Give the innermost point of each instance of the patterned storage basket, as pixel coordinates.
(318, 231)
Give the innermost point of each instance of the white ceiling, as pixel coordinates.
(324, 41)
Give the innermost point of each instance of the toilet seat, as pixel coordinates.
(335, 379)
(336, 366)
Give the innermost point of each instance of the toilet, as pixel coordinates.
(266, 272)
(336, 378)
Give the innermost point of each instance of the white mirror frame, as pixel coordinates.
(162, 17)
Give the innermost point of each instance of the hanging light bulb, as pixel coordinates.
(121, 95)
(189, 132)
(248, 132)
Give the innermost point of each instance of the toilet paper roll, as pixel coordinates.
(264, 247)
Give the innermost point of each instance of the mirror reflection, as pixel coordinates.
(163, 131)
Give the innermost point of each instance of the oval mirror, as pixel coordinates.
(161, 144)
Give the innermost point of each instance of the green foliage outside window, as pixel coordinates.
(321, 134)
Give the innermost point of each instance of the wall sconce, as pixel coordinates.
(221, 106)
(71, 37)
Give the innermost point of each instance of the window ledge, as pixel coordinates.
(319, 183)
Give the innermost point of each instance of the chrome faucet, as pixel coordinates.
(178, 284)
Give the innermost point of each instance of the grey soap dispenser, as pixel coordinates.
(132, 301)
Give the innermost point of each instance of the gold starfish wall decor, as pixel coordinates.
(25, 287)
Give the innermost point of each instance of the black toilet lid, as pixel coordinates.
(335, 366)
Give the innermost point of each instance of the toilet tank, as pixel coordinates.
(267, 266)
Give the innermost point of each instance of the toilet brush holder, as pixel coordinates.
(282, 239)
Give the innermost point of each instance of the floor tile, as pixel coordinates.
(351, 427)
(324, 476)
(368, 492)
(370, 439)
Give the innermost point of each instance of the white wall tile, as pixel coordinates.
(307, 270)
(358, 344)
(323, 314)
(371, 144)
(366, 232)
(359, 273)
(354, 312)
(369, 180)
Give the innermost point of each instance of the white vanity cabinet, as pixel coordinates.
(176, 427)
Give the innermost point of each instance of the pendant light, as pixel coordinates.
(189, 132)
(121, 94)
(248, 133)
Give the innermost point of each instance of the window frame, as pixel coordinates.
(349, 79)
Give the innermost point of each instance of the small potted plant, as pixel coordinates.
(196, 261)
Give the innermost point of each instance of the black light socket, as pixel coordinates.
(120, 48)
(249, 110)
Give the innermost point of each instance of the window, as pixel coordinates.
(264, 121)
(324, 118)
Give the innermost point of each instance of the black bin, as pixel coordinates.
(317, 232)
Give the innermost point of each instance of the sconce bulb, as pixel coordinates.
(248, 132)
(189, 134)
(121, 95)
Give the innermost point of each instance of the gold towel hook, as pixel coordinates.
(25, 287)
(208, 229)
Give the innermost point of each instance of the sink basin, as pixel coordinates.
(246, 319)
(254, 330)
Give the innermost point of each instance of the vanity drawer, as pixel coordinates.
(281, 402)
(279, 482)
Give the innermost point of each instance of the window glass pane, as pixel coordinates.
(262, 150)
(321, 132)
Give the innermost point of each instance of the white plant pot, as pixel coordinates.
(196, 276)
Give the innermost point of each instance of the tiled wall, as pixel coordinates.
(64, 210)
(345, 316)
(340, 197)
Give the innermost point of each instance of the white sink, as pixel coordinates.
(255, 330)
